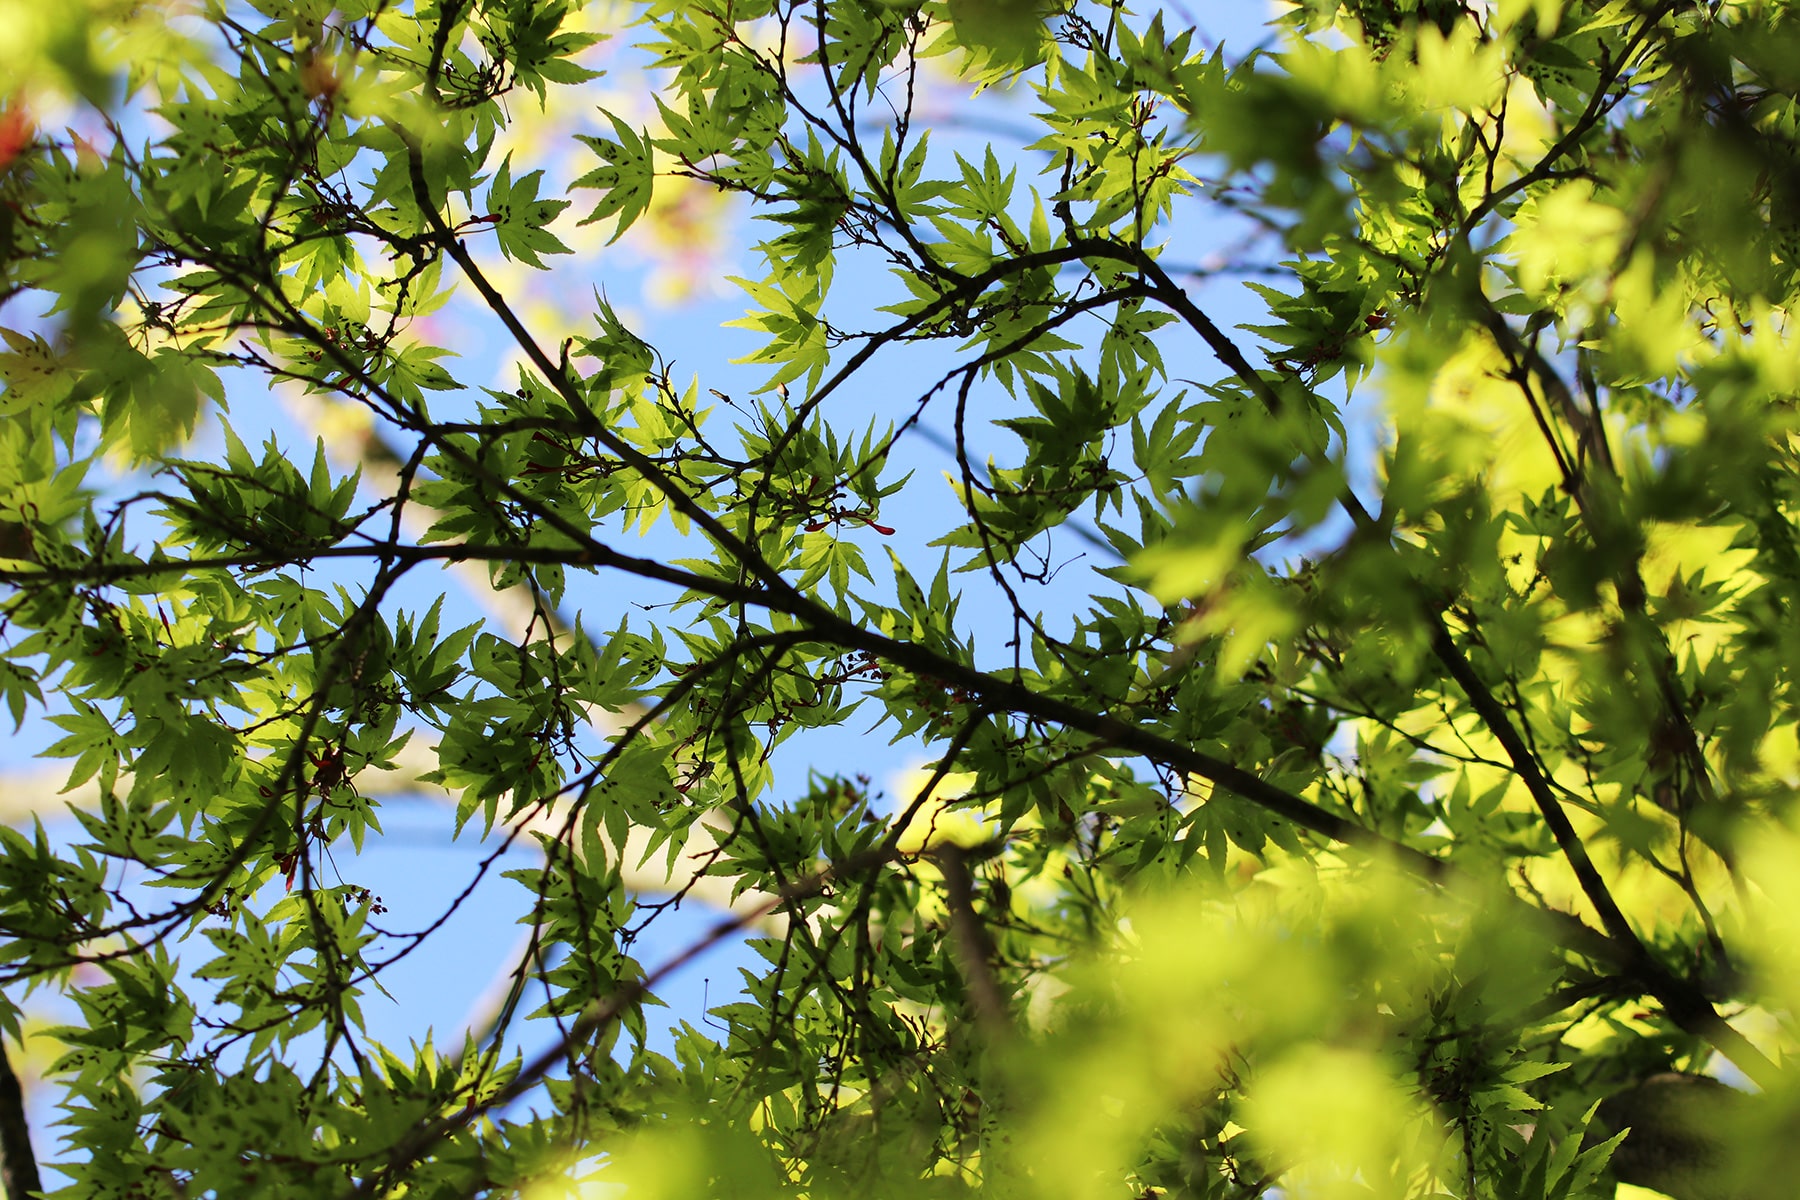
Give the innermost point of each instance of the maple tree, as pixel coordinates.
(1410, 772)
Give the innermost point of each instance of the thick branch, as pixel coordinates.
(971, 946)
(18, 1162)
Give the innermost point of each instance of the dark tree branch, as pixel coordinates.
(971, 946)
(18, 1162)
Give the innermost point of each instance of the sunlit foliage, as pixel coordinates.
(1360, 740)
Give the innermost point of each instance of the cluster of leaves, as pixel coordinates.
(1378, 812)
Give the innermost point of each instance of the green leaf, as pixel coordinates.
(626, 178)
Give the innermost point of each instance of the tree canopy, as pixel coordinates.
(1360, 739)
